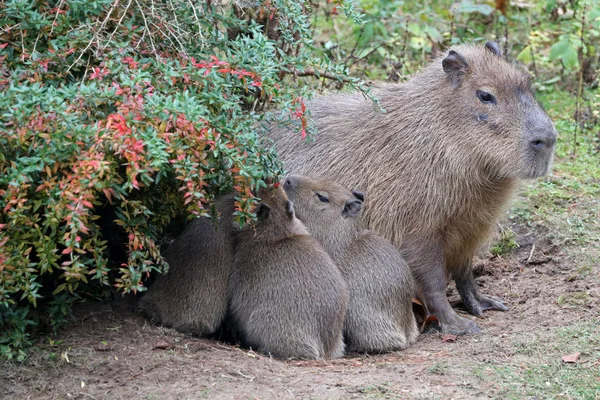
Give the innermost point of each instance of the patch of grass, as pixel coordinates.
(581, 273)
(544, 375)
(438, 369)
(574, 299)
(376, 391)
(568, 200)
(505, 244)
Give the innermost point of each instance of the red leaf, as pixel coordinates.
(432, 319)
(3, 45)
(162, 345)
(449, 338)
(571, 358)
(68, 250)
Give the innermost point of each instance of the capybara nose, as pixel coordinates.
(290, 182)
(545, 141)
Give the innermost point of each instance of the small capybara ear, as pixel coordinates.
(493, 48)
(351, 208)
(455, 66)
(359, 195)
(263, 212)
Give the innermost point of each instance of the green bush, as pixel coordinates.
(118, 118)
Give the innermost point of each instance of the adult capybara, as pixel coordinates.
(286, 296)
(381, 287)
(440, 165)
(192, 296)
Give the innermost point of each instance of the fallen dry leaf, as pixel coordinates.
(162, 345)
(449, 338)
(571, 358)
(431, 320)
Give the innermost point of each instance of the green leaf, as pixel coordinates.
(467, 7)
(525, 55)
(565, 50)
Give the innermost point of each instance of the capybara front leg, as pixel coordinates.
(475, 301)
(429, 270)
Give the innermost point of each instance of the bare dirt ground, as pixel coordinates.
(110, 352)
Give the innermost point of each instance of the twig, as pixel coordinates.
(316, 73)
(22, 46)
(114, 6)
(580, 88)
(365, 56)
(531, 253)
(146, 26)
(60, 3)
(118, 23)
(174, 37)
(351, 55)
(86, 70)
(535, 73)
(198, 22)
(174, 15)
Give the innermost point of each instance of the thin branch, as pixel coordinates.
(580, 88)
(366, 55)
(324, 74)
(146, 27)
(118, 23)
(94, 36)
(60, 3)
(198, 22)
(351, 55)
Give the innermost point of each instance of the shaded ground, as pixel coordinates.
(553, 292)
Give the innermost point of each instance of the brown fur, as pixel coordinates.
(381, 287)
(192, 296)
(440, 166)
(287, 297)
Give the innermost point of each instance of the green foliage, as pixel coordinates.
(118, 117)
(398, 37)
(505, 244)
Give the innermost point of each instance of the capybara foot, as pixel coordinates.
(459, 326)
(479, 303)
(490, 303)
(476, 302)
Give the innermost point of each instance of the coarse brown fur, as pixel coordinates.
(440, 165)
(192, 296)
(380, 316)
(286, 296)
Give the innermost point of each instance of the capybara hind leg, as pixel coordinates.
(338, 350)
(430, 274)
(475, 301)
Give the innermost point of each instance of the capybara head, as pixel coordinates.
(275, 214)
(502, 124)
(325, 207)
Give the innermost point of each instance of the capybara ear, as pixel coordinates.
(455, 66)
(351, 208)
(263, 211)
(493, 48)
(359, 195)
(289, 208)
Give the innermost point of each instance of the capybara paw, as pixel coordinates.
(478, 305)
(459, 326)
(492, 303)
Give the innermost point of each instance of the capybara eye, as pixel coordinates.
(324, 199)
(485, 97)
